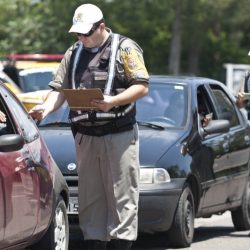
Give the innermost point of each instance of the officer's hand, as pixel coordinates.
(104, 105)
(37, 112)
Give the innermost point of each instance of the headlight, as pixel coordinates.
(154, 175)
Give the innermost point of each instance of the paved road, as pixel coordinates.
(216, 233)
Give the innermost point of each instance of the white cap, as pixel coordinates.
(249, 53)
(84, 18)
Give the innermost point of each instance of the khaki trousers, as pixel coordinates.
(108, 171)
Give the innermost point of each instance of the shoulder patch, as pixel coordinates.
(133, 66)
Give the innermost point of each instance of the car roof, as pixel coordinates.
(190, 80)
(26, 61)
(36, 70)
(36, 57)
(35, 64)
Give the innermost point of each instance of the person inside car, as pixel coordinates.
(2, 117)
(206, 117)
(3, 124)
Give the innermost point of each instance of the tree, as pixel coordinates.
(177, 36)
(175, 49)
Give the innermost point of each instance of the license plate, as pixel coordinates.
(73, 205)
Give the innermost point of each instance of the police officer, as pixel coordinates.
(106, 138)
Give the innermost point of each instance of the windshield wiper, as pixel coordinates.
(55, 124)
(150, 125)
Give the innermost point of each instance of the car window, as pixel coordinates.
(205, 107)
(27, 124)
(203, 101)
(6, 127)
(33, 80)
(224, 107)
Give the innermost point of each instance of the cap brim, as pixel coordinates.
(80, 28)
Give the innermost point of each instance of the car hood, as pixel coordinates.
(62, 147)
(155, 143)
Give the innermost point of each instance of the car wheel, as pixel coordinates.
(57, 235)
(241, 216)
(182, 230)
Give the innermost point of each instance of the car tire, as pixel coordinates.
(182, 230)
(241, 216)
(57, 235)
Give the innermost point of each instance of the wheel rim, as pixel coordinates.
(60, 230)
(189, 219)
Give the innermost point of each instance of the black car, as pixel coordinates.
(189, 168)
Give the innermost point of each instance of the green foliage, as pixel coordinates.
(212, 32)
(148, 23)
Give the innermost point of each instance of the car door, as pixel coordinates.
(1, 208)
(38, 165)
(215, 157)
(236, 172)
(19, 179)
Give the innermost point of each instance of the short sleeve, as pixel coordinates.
(61, 79)
(131, 59)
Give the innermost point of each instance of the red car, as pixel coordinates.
(33, 193)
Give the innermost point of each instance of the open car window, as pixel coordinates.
(27, 124)
(224, 107)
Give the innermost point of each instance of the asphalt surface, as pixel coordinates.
(215, 233)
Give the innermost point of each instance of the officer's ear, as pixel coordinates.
(102, 26)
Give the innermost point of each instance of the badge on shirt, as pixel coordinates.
(133, 66)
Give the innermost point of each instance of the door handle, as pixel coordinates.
(247, 139)
(225, 146)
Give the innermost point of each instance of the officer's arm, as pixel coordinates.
(55, 98)
(131, 94)
(53, 101)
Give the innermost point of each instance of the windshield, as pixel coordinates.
(35, 80)
(166, 105)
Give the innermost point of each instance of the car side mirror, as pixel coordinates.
(11, 142)
(217, 126)
(226, 115)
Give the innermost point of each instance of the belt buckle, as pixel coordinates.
(92, 115)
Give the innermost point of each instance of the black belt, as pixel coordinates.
(116, 126)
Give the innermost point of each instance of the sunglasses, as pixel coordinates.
(93, 29)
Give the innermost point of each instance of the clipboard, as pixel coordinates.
(79, 99)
